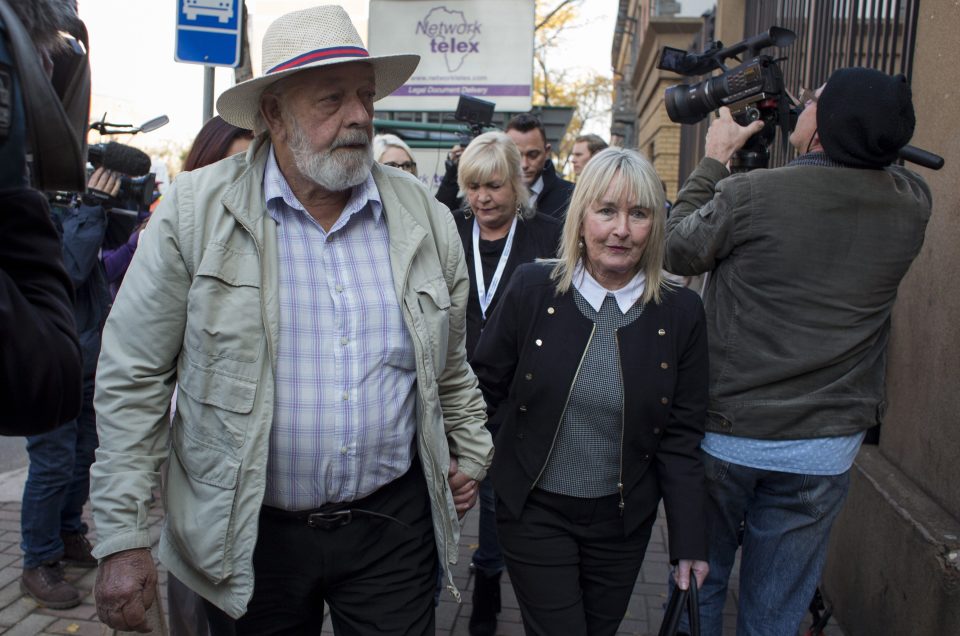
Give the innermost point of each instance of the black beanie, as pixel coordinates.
(864, 117)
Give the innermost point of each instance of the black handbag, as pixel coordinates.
(679, 601)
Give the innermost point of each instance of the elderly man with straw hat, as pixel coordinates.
(310, 306)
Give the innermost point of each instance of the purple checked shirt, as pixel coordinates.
(344, 416)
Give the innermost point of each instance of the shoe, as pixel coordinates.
(76, 551)
(486, 604)
(48, 587)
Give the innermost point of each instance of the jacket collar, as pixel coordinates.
(244, 197)
(405, 229)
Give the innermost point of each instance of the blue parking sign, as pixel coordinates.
(209, 32)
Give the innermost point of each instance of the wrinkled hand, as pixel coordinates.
(126, 583)
(681, 575)
(464, 488)
(454, 154)
(726, 136)
(105, 181)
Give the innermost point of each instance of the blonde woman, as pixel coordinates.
(499, 232)
(594, 369)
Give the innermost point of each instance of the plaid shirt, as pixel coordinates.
(344, 418)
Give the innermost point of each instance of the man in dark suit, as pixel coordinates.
(550, 194)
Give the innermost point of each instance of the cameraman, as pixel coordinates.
(804, 264)
(58, 481)
(39, 355)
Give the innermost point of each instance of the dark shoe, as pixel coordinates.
(76, 551)
(486, 604)
(48, 587)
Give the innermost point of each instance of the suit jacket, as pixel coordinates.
(534, 238)
(555, 196)
(527, 360)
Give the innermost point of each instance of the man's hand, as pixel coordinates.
(726, 136)
(454, 155)
(126, 582)
(681, 575)
(464, 489)
(105, 182)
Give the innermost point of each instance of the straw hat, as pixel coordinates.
(300, 40)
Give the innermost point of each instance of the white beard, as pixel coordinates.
(331, 169)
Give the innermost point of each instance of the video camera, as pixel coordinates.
(476, 113)
(753, 91)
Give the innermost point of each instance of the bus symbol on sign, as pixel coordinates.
(220, 9)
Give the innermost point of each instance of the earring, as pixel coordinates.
(580, 245)
(467, 211)
(519, 209)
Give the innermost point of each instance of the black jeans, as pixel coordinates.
(377, 576)
(571, 565)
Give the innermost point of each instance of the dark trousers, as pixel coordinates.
(377, 576)
(571, 565)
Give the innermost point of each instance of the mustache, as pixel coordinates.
(351, 138)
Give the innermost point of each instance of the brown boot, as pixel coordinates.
(48, 587)
(76, 551)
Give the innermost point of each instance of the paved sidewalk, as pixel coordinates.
(20, 615)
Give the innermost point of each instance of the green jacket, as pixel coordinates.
(199, 308)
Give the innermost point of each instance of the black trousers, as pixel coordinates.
(376, 575)
(571, 565)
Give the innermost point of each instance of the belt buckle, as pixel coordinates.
(330, 520)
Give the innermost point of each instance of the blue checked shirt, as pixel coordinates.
(344, 415)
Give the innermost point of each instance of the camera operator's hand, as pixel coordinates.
(726, 136)
(104, 182)
(453, 157)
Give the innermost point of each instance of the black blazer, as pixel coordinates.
(554, 199)
(526, 362)
(535, 238)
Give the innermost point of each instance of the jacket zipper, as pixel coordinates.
(616, 337)
(567, 402)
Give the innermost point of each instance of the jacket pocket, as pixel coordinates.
(433, 301)
(215, 405)
(200, 498)
(223, 305)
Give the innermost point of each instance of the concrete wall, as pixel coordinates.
(893, 565)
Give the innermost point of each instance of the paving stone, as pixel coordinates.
(75, 627)
(30, 625)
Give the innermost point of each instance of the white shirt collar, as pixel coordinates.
(535, 189)
(594, 293)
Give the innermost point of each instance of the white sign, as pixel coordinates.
(481, 48)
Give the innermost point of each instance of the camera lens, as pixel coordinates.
(689, 103)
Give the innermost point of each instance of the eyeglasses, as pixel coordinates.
(409, 166)
(807, 97)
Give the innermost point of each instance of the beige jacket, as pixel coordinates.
(199, 308)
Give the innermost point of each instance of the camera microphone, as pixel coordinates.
(119, 158)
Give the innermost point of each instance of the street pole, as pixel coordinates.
(207, 93)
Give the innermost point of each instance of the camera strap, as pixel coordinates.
(486, 295)
(56, 137)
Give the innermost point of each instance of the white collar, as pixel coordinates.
(594, 293)
(537, 186)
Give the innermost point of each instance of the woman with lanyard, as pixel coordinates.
(499, 232)
(594, 369)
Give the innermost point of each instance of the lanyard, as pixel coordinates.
(486, 295)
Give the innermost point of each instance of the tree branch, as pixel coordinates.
(552, 13)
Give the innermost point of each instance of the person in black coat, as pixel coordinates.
(500, 232)
(594, 368)
(550, 193)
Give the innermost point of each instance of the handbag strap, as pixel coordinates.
(681, 600)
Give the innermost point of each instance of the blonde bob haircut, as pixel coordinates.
(382, 143)
(493, 156)
(633, 176)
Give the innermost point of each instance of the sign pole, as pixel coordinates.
(207, 93)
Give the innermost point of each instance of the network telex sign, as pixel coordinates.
(482, 48)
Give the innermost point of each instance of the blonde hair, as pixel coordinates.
(382, 142)
(636, 178)
(494, 155)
